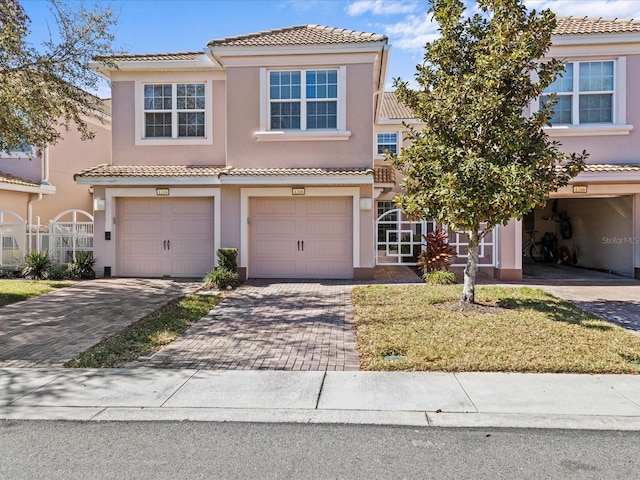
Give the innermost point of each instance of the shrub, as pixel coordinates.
(438, 254)
(36, 265)
(82, 266)
(222, 279)
(58, 272)
(228, 259)
(439, 277)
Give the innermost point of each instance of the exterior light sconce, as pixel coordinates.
(366, 203)
(99, 205)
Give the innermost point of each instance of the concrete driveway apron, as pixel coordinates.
(271, 325)
(51, 329)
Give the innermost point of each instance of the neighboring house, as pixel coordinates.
(273, 143)
(37, 188)
(598, 110)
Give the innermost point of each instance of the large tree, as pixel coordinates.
(480, 161)
(43, 89)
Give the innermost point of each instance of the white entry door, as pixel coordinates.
(301, 237)
(165, 237)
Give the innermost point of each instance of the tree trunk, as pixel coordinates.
(469, 288)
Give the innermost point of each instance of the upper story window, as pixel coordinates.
(387, 142)
(303, 104)
(303, 100)
(585, 94)
(174, 110)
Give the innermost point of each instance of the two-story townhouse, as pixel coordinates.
(262, 142)
(37, 187)
(597, 110)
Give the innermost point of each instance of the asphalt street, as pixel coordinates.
(202, 450)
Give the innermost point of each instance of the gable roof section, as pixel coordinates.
(588, 26)
(298, 35)
(6, 178)
(17, 184)
(393, 109)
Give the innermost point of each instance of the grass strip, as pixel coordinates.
(12, 291)
(148, 335)
(421, 327)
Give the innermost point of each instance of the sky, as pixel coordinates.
(155, 26)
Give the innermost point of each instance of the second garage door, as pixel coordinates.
(165, 237)
(301, 237)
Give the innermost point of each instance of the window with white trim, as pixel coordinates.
(585, 94)
(303, 99)
(174, 110)
(387, 142)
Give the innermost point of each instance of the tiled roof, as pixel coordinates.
(384, 174)
(211, 171)
(267, 172)
(13, 180)
(393, 109)
(599, 168)
(298, 35)
(151, 171)
(586, 25)
(151, 57)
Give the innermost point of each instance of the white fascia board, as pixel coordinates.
(348, 48)
(595, 38)
(364, 179)
(44, 189)
(606, 177)
(203, 62)
(397, 121)
(591, 49)
(296, 59)
(131, 181)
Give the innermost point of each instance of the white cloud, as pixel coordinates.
(413, 32)
(589, 8)
(381, 7)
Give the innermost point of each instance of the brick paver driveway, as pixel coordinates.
(267, 325)
(53, 328)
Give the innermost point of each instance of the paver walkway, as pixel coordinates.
(55, 327)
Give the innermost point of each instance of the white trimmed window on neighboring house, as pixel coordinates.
(590, 99)
(173, 113)
(387, 142)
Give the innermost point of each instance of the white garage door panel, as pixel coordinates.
(165, 237)
(301, 238)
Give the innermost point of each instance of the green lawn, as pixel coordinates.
(147, 336)
(421, 327)
(12, 291)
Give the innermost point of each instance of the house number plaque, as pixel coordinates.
(297, 191)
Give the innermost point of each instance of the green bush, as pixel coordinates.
(36, 265)
(82, 266)
(222, 279)
(228, 259)
(58, 272)
(439, 277)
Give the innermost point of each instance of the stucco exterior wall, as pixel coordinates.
(245, 151)
(125, 150)
(23, 166)
(15, 202)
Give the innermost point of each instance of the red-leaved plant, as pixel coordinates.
(439, 254)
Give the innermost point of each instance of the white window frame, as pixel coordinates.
(397, 143)
(140, 126)
(338, 133)
(618, 126)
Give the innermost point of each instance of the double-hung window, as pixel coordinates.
(387, 142)
(174, 110)
(585, 94)
(303, 100)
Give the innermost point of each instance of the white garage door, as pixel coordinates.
(301, 238)
(165, 237)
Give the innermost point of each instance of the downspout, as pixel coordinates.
(44, 181)
(30, 218)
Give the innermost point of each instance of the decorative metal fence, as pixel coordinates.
(68, 233)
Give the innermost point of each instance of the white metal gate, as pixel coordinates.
(69, 235)
(399, 241)
(13, 238)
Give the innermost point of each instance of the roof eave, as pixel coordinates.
(147, 180)
(255, 51)
(13, 187)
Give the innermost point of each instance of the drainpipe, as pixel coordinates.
(45, 167)
(30, 218)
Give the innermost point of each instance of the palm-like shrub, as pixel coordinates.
(36, 265)
(82, 266)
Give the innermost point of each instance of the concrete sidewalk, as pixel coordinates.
(606, 402)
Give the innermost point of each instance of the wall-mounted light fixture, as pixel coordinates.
(99, 205)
